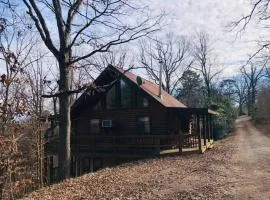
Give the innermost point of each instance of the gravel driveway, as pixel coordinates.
(236, 168)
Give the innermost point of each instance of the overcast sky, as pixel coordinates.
(213, 16)
(188, 17)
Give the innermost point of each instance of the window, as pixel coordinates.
(97, 164)
(126, 92)
(86, 165)
(98, 106)
(94, 126)
(144, 124)
(111, 98)
(143, 102)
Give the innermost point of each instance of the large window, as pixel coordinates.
(94, 126)
(142, 102)
(111, 98)
(126, 92)
(144, 125)
(86, 165)
(98, 106)
(123, 95)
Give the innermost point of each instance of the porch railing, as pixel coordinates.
(131, 144)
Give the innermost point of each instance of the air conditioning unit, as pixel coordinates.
(108, 123)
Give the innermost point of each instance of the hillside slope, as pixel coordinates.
(165, 178)
(236, 168)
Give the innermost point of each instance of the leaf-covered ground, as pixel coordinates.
(221, 173)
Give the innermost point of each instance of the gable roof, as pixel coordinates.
(149, 87)
(152, 89)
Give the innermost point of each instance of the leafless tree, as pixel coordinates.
(241, 93)
(263, 99)
(174, 53)
(16, 47)
(15, 50)
(260, 12)
(235, 89)
(37, 83)
(204, 60)
(252, 75)
(94, 25)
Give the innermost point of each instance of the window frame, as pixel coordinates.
(150, 125)
(116, 85)
(90, 126)
(139, 100)
(130, 96)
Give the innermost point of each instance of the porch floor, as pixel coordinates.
(208, 145)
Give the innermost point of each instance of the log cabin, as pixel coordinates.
(126, 117)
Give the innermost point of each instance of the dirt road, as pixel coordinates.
(236, 168)
(253, 163)
(241, 171)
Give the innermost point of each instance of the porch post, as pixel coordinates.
(204, 130)
(212, 127)
(199, 132)
(209, 127)
(181, 140)
(77, 168)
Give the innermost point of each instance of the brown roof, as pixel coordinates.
(152, 89)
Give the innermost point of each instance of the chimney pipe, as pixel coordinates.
(160, 77)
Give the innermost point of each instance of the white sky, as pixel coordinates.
(187, 17)
(213, 16)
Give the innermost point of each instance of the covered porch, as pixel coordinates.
(196, 129)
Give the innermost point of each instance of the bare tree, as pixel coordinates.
(241, 93)
(205, 65)
(16, 47)
(37, 82)
(173, 53)
(15, 50)
(94, 25)
(252, 76)
(259, 11)
(263, 112)
(236, 90)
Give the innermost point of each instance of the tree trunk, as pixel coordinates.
(249, 102)
(65, 122)
(240, 109)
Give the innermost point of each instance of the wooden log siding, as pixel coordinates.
(125, 120)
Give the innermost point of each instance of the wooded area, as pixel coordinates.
(50, 52)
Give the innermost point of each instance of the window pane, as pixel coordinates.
(97, 107)
(111, 100)
(126, 92)
(143, 102)
(86, 165)
(95, 126)
(144, 125)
